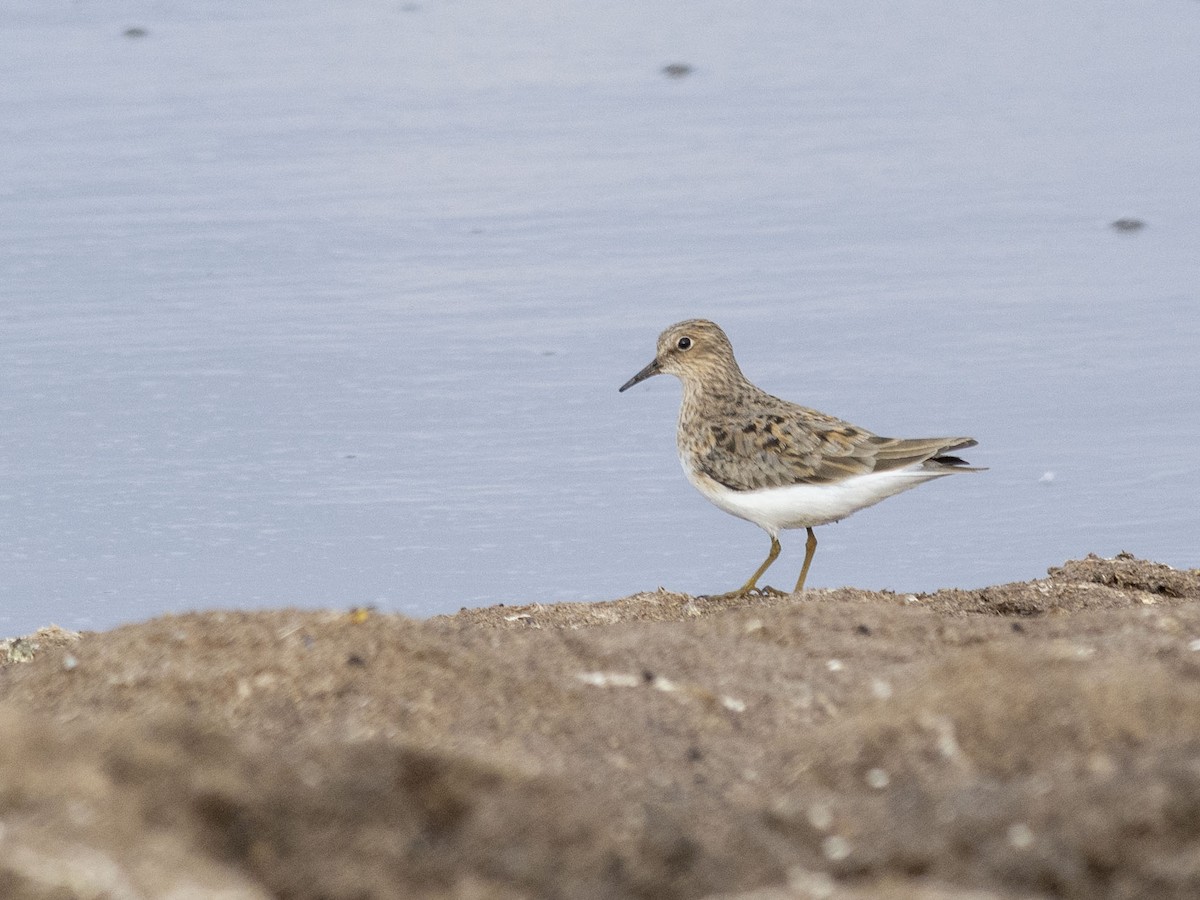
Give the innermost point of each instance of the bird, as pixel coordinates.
(776, 463)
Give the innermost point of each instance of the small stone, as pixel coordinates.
(733, 704)
(666, 685)
(835, 847)
(18, 650)
(820, 816)
(1020, 836)
(610, 679)
(1102, 764)
(814, 885)
(878, 779)
(835, 665)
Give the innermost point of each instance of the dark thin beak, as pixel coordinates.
(653, 369)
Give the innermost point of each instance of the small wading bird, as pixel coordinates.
(774, 463)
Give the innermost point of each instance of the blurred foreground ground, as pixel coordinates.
(1028, 740)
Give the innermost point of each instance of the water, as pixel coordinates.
(326, 304)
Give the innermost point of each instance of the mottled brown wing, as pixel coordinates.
(803, 446)
(775, 447)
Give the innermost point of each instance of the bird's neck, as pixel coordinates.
(715, 394)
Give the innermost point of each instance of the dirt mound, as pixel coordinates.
(1037, 739)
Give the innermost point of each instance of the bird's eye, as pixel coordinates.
(685, 343)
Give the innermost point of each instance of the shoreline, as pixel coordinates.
(1030, 739)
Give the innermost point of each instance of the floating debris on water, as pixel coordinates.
(1128, 225)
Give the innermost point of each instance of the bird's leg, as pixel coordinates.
(810, 547)
(753, 582)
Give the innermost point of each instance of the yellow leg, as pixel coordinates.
(810, 547)
(758, 573)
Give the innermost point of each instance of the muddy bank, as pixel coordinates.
(1034, 739)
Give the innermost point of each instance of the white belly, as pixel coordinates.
(807, 505)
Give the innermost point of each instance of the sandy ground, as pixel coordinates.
(1028, 740)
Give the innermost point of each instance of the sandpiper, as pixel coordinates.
(775, 463)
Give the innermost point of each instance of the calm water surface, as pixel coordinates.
(327, 304)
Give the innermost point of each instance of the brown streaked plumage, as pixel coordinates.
(775, 463)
